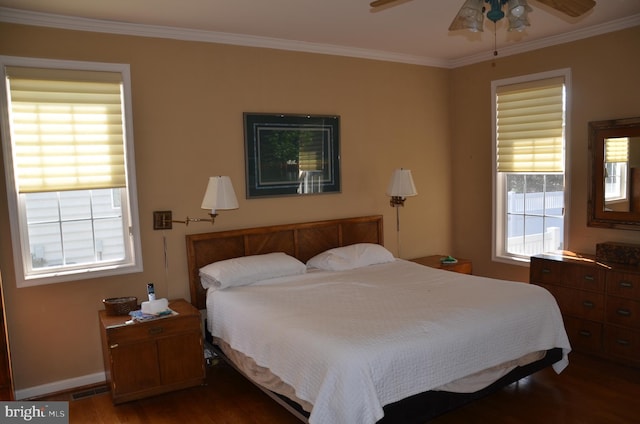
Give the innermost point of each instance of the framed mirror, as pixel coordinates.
(291, 155)
(614, 196)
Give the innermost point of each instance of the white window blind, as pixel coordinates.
(530, 126)
(616, 149)
(67, 129)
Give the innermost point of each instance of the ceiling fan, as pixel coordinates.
(471, 14)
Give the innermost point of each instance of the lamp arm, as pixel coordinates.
(187, 220)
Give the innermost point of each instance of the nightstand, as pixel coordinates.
(152, 357)
(463, 266)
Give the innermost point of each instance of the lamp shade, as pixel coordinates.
(401, 184)
(470, 16)
(518, 11)
(219, 195)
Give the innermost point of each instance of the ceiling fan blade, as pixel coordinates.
(378, 3)
(573, 8)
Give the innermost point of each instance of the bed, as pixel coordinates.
(431, 341)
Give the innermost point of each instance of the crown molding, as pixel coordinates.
(16, 16)
(617, 25)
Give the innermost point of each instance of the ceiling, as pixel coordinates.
(410, 31)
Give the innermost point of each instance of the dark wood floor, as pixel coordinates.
(588, 391)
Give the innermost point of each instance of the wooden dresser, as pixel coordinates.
(600, 303)
(153, 357)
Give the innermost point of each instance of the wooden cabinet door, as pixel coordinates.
(134, 367)
(181, 358)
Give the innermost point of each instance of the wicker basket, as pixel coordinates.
(120, 305)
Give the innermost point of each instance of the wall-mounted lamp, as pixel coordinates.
(400, 187)
(218, 196)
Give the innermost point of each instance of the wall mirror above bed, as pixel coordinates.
(291, 155)
(614, 152)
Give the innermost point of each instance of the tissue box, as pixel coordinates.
(155, 306)
(619, 253)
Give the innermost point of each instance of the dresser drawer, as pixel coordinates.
(584, 335)
(578, 303)
(623, 312)
(546, 272)
(623, 343)
(140, 332)
(623, 284)
(584, 277)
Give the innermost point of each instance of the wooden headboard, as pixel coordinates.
(303, 241)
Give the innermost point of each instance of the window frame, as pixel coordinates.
(499, 206)
(17, 209)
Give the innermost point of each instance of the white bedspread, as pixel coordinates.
(351, 342)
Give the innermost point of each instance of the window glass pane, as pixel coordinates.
(109, 240)
(106, 203)
(515, 233)
(515, 190)
(75, 205)
(77, 238)
(45, 245)
(554, 197)
(553, 234)
(41, 207)
(534, 235)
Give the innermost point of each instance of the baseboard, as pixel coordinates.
(60, 386)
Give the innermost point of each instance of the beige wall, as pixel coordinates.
(604, 72)
(188, 100)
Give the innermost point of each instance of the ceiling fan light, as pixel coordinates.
(518, 24)
(518, 8)
(470, 16)
(518, 15)
(517, 11)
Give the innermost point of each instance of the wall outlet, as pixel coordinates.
(162, 220)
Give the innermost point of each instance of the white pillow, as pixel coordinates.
(350, 257)
(249, 269)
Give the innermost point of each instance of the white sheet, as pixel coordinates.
(351, 342)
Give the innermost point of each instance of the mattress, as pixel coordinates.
(347, 343)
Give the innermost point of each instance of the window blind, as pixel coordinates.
(530, 126)
(67, 129)
(616, 149)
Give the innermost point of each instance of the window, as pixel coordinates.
(529, 165)
(68, 152)
(616, 159)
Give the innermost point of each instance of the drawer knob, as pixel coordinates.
(113, 346)
(546, 271)
(623, 312)
(626, 284)
(155, 330)
(585, 333)
(623, 342)
(589, 278)
(588, 304)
